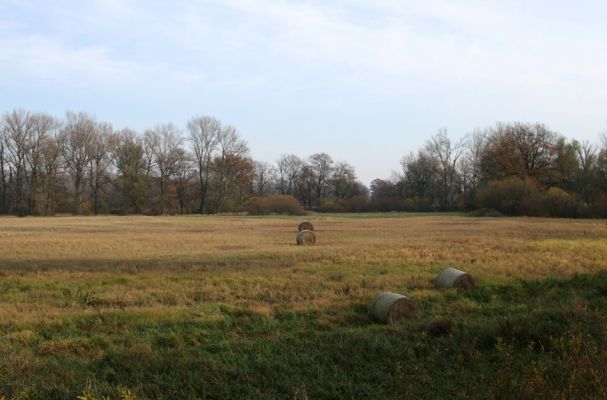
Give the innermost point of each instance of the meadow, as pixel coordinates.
(213, 307)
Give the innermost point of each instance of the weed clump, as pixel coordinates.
(438, 327)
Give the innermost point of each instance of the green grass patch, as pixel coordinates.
(531, 339)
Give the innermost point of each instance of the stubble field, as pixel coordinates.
(230, 307)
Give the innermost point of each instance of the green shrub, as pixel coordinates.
(287, 205)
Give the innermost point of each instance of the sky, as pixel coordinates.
(365, 81)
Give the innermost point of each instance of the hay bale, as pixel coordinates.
(305, 226)
(454, 278)
(306, 238)
(388, 307)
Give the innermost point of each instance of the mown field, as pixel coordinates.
(229, 307)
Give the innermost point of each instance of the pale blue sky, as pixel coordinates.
(365, 81)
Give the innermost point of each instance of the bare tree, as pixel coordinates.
(182, 174)
(43, 125)
(263, 176)
(288, 168)
(242, 181)
(75, 140)
(98, 155)
(51, 163)
(322, 167)
(3, 182)
(470, 163)
(148, 155)
(306, 184)
(588, 156)
(419, 177)
(447, 153)
(231, 148)
(18, 129)
(204, 136)
(342, 179)
(164, 143)
(128, 157)
(564, 164)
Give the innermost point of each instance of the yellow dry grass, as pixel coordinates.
(54, 267)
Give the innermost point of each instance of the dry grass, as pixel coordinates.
(55, 271)
(50, 266)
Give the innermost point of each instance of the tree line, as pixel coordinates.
(513, 168)
(79, 165)
(83, 166)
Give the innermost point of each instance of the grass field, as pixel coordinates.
(229, 307)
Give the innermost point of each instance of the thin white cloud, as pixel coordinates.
(407, 44)
(476, 45)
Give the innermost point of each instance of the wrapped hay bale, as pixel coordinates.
(305, 226)
(388, 307)
(306, 238)
(454, 278)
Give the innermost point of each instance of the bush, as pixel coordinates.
(511, 196)
(514, 196)
(287, 205)
(329, 204)
(417, 204)
(386, 204)
(359, 203)
(486, 212)
(599, 205)
(559, 203)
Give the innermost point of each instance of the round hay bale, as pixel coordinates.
(306, 238)
(305, 226)
(389, 307)
(454, 278)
